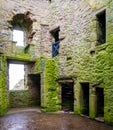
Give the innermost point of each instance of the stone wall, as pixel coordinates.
(19, 99)
(104, 64)
(30, 97)
(80, 58)
(49, 86)
(24, 98)
(4, 97)
(75, 21)
(8, 9)
(39, 14)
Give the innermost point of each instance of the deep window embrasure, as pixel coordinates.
(101, 27)
(22, 28)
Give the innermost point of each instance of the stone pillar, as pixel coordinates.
(92, 103)
(60, 95)
(77, 98)
(42, 90)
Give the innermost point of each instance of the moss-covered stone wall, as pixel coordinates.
(104, 77)
(24, 98)
(4, 98)
(50, 86)
(79, 55)
(80, 58)
(19, 99)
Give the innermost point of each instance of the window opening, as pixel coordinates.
(56, 35)
(16, 77)
(22, 28)
(56, 43)
(101, 27)
(55, 48)
(18, 37)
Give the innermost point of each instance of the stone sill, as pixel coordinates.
(101, 47)
(18, 90)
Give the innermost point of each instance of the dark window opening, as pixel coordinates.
(56, 43)
(67, 97)
(101, 27)
(55, 34)
(85, 99)
(100, 102)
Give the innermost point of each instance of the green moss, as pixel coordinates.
(77, 106)
(51, 85)
(93, 110)
(98, 69)
(86, 68)
(19, 53)
(21, 57)
(104, 70)
(19, 98)
(23, 98)
(4, 99)
(40, 63)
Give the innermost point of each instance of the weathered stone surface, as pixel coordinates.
(79, 55)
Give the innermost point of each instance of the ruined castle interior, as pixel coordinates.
(62, 51)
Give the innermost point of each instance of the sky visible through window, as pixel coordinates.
(18, 37)
(16, 75)
(16, 71)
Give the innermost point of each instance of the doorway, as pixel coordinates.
(85, 99)
(34, 89)
(100, 102)
(67, 95)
